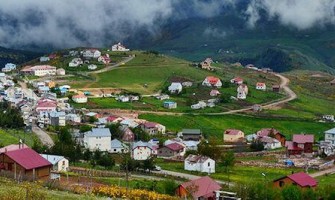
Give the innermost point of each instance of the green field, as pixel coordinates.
(326, 180)
(213, 126)
(8, 137)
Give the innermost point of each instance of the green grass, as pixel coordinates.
(238, 174)
(326, 180)
(8, 137)
(213, 126)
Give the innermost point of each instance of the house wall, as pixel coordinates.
(11, 165)
(281, 139)
(117, 150)
(192, 137)
(308, 148)
(330, 138)
(62, 165)
(101, 143)
(208, 166)
(181, 191)
(166, 152)
(232, 138)
(141, 153)
(285, 181)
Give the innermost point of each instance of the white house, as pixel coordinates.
(60, 72)
(123, 98)
(330, 136)
(80, 98)
(59, 163)
(44, 59)
(118, 147)
(199, 105)
(119, 47)
(9, 67)
(212, 81)
(73, 118)
(141, 151)
(237, 80)
(57, 118)
(199, 163)
(260, 86)
(131, 123)
(175, 88)
(242, 91)
(91, 53)
(39, 70)
(270, 143)
(92, 67)
(75, 62)
(98, 138)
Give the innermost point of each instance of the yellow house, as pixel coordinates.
(233, 135)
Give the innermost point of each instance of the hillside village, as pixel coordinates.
(120, 138)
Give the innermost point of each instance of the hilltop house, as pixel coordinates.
(237, 80)
(242, 91)
(271, 132)
(175, 88)
(59, 163)
(39, 70)
(301, 143)
(276, 88)
(98, 138)
(199, 105)
(25, 162)
(214, 93)
(141, 151)
(119, 47)
(212, 81)
(199, 163)
(206, 64)
(118, 147)
(171, 150)
(233, 135)
(200, 189)
(104, 59)
(260, 86)
(91, 53)
(9, 67)
(330, 136)
(92, 67)
(191, 134)
(152, 128)
(44, 59)
(300, 179)
(79, 98)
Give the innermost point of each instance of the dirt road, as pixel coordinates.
(323, 172)
(43, 136)
(108, 68)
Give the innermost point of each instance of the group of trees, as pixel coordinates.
(10, 117)
(134, 165)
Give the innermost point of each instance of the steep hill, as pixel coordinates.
(15, 56)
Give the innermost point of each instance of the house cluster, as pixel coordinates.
(9, 67)
(86, 56)
(127, 98)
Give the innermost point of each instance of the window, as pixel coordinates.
(114, 150)
(209, 164)
(63, 162)
(281, 183)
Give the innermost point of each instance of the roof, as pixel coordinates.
(302, 179)
(46, 104)
(212, 79)
(91, 114)
(260, 84)
(302, 138)
(78, 96)
(116, 144)
(27, 158)
(149, 124)
(196, 158)
(191, 132)
(12, 147)
(330, 131)
(175, 146)
(275, 86)
(267, 131)
(232, 132)
(99, 132)
(238, 79)
(205, 186)
(268, 140)
(141, 144)
(53, 159)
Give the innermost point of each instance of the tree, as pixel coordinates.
(92, 119)
(228, 159)
(210, 148)
(85, 128)
(140, 134)
(256, 145)
(225, 98)
(114, 129)
(87, 155)
(106, 161)
(148, 164)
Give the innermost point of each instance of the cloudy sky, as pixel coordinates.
(64, 23)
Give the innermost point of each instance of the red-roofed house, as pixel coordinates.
(300, 179)
(105, 59)
(25, 161)
(152, 128)
(114, 119)
(233, 135)
(260, 86)
(237, 80)
(271, 132)
(13, 147)
(199, 163)
(301, 143)
(212, 81)
(214, 93)
(46, 106)
(201, 188)
(80, 98)
(171, 150)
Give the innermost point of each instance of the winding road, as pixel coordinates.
(43, 136)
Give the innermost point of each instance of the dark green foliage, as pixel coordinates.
(275, 58)
(85, 128)
(210, 149)
(228, 159)
(106, 161)
(140, 134)
(10, 117)
(256, 145)
(92, 119)
(114, 129)
(291, 193)
(225, 98)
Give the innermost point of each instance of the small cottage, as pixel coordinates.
(170, 104)
(191, 134)
(233, 135)
(301, 179)
(199, 163)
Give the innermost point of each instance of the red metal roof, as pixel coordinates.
(266, 132)
(205, 187)
(303, 179)
(232, 132)
(150, 124)
(302, 138)
(212, 79)
(13, 147)
(28, 158)
(175, 146)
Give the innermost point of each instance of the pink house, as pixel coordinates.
(46, 106)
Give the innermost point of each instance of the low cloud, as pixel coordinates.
(302, 14)
(215, 33)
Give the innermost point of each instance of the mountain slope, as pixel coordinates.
(15, 56)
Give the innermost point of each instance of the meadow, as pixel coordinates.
(9, 136)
